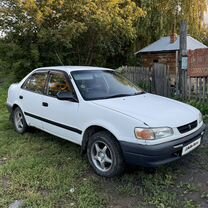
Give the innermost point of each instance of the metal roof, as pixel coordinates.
(163, 44)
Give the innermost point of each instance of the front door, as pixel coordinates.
(61, 117)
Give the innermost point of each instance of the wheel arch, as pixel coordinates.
(15, 106)
(89, 132)
(11, 110)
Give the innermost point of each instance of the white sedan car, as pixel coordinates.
(114, 122)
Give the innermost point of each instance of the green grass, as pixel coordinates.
(42, 170)
(45, 171)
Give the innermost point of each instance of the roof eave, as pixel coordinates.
(154, 52)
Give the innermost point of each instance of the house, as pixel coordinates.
(166, 51)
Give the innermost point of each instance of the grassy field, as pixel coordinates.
(45, 171)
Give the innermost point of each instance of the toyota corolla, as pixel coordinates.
(114, 121)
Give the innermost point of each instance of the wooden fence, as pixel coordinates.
(197, 88)
(156, 79)
(140, 76)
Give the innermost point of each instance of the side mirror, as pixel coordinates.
(66, 96)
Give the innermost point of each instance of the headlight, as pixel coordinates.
(200, 118)
(153, 133)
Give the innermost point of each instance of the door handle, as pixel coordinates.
(21, 97)
(44, 104)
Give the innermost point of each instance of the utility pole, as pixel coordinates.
(183, 62)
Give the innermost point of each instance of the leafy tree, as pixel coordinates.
(88, 32)
(164, 16)
(84, 32)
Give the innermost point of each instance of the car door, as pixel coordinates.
(61, 117)
(30, 98)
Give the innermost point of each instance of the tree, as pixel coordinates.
(89, 32)
(164, 16)
(83, 32)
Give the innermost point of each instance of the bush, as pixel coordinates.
(202, 106)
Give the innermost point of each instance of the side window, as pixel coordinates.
(57, 82)
(36, 82)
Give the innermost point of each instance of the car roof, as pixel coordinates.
(69, 69)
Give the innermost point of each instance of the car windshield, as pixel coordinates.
(103, 84)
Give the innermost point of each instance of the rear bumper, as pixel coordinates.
(9, 108)
(156, 155)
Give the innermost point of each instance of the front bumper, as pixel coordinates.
(160, 154)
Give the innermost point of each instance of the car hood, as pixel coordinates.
(155, 111)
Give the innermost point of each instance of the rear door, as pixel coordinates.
(61, 117)
(31, 98)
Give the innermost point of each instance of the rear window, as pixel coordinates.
(36, 82)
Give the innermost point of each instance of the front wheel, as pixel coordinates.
(104, 154)
(19, 122)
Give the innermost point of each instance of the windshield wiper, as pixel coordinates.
(139, 93)
(118, 95)
(125, 95)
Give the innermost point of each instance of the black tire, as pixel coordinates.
(106, 159)
(21, 126)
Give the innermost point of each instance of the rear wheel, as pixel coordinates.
(19, 122)
(104, 154)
